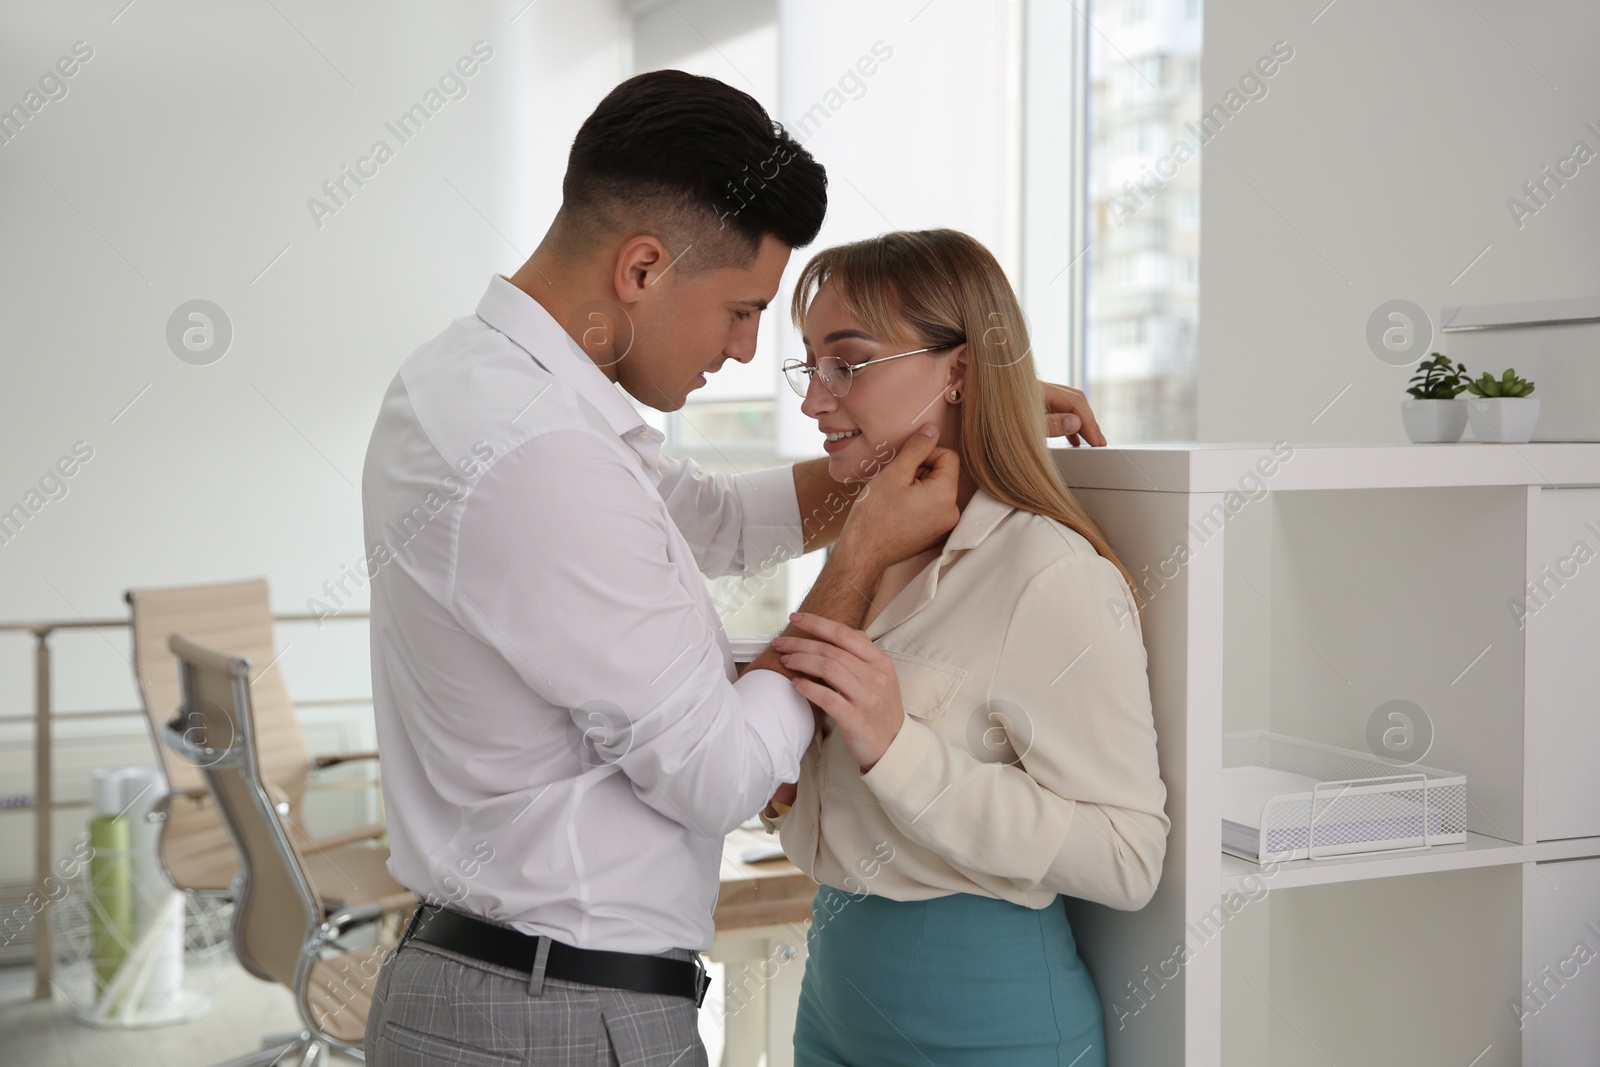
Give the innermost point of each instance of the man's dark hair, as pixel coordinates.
(695, 163)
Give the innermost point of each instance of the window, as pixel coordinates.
(1141, 295)
(1153, 67)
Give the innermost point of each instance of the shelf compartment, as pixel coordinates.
(1354, 804)
(1383, 974)
(1561, 610)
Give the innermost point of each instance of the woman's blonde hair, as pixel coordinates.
(949, 289)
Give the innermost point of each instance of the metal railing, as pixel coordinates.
(44, 715)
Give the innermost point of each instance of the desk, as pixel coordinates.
(763, 910)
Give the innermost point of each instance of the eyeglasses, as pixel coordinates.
(836, 373)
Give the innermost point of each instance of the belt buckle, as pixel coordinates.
(702, 980)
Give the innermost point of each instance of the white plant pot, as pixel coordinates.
(1433, 421)
(1503, 419)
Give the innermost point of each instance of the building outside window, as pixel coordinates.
(1142, 296)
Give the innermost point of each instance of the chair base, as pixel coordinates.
(303, 1049)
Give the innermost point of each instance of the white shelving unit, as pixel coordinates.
(1299, 590)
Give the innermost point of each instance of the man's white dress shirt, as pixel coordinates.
(565, 739)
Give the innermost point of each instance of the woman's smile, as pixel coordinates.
(833, 442)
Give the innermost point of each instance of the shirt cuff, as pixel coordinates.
(780, 716)
(895, 780)
(771, 507)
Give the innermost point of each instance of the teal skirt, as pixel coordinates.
(954, 981)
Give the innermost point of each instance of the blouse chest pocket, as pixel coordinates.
(927, 686)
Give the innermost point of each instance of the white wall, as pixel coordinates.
(179, 166)
(1378, 167)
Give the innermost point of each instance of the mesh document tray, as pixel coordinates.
(1287, 799)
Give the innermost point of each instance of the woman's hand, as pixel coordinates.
(857, 684)
(1067, 415)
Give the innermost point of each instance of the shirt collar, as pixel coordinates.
(525, 321)
(978, 520)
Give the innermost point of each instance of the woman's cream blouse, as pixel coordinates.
(1026, 764)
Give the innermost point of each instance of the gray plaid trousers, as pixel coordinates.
(433, 1007)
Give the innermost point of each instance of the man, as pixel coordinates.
(565, 738)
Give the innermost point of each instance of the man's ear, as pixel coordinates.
(641, 261)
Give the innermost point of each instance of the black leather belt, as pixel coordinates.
(511, 948)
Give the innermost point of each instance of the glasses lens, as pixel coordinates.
(798, 378)
(836, 374)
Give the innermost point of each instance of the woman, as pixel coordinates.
(988, 745)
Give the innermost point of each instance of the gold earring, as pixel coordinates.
(955, 395)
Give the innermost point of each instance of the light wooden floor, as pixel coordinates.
(47, 1033)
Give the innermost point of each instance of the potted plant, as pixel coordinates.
(1434, 414)
(1501, 409)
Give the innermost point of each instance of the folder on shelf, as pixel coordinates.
(1349, 818)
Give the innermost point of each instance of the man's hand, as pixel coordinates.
(908, 506)
(1067, 414)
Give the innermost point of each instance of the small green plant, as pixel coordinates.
(1435, 380)
(1507, 385)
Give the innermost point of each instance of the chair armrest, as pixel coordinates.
(335, 758)
(365, 912)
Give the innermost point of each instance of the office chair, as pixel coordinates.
(195, 852)
(280, 930)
